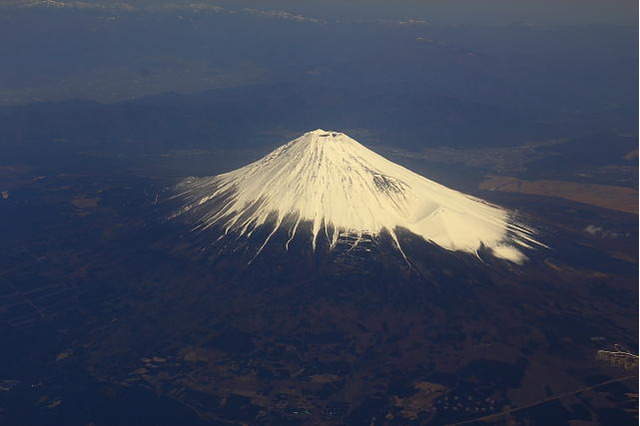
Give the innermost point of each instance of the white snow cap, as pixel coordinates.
(348, 191)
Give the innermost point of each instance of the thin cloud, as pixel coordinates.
(159, 7)
(280, 14)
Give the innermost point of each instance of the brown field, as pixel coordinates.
(607, 196)
(85, 203)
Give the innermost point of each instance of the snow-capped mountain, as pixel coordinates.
(347, 192)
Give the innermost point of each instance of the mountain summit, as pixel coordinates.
(347, 192)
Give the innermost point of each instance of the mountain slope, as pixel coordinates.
(347, 192)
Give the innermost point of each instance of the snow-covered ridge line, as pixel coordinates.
(332, 181)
